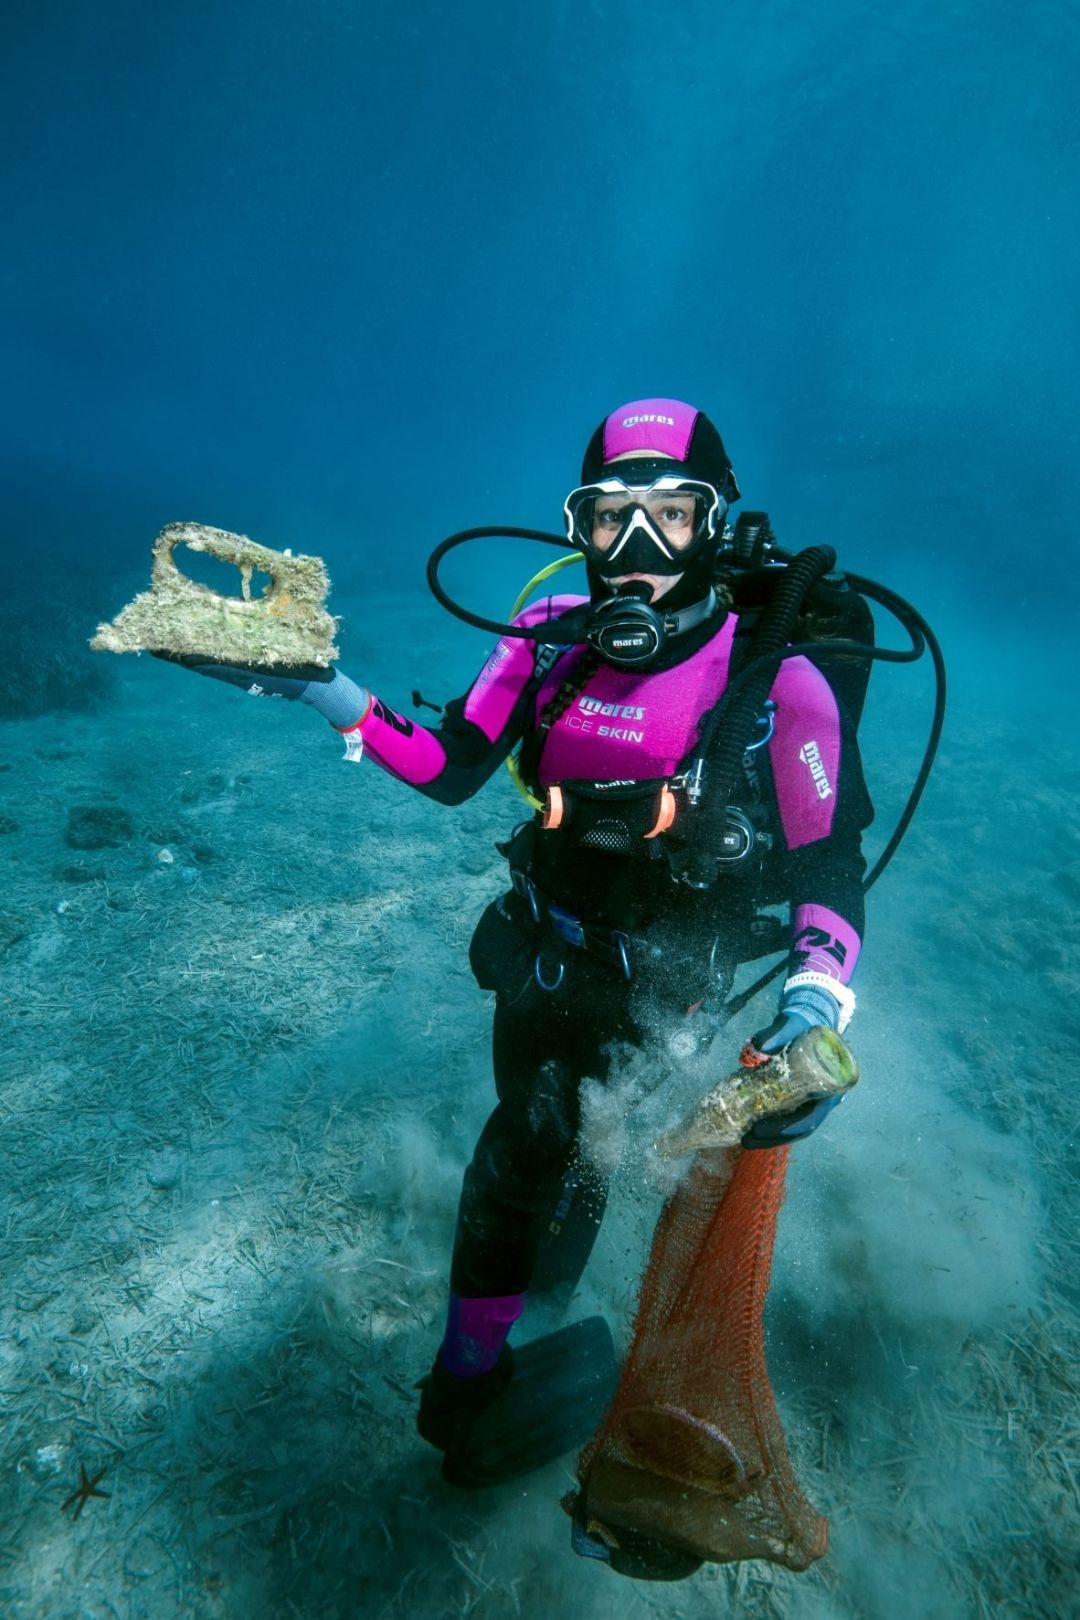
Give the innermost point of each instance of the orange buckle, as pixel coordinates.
(665, 814)
(554, 807)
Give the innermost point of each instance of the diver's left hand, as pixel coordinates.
(780, 1129)
(801, 1008)
(328, 691)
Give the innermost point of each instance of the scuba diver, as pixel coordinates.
(691, 760)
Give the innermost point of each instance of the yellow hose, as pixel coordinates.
(523, 597)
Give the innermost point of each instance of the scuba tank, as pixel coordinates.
(830, 610)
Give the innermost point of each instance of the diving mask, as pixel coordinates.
(660, 527)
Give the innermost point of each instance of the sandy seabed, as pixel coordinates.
(244, 1064)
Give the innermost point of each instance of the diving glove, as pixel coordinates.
(807, 1000)
(338, 699)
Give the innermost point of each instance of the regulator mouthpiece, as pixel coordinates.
(625, 629)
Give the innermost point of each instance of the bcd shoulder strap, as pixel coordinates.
(532, 741)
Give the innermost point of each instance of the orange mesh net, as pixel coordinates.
(692, 1451)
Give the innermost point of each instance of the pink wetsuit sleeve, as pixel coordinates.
(494, 693)
(455, 760)
(805, 752)
(400, 746)
(824, 942)
(822, 805)
(416, 754)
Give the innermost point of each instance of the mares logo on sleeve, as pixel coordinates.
(811, 757)
(492, 667)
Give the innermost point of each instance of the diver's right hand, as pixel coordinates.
(337, 698)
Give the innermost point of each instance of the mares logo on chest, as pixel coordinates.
(619, 711)
(594, 718)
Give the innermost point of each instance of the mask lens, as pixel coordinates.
(672, 516)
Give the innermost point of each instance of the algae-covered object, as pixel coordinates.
(287, 623)
(816, 1064)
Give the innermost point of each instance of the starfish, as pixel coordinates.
(86, 1489)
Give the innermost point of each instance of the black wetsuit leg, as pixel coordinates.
(543, 1046)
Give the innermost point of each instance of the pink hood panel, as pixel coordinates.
(663, 426)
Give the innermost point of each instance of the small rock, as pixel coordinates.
(164, 1173)
(47, 1461)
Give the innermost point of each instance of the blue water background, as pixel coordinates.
(346, 282)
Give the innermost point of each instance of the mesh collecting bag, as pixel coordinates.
(691, 1452)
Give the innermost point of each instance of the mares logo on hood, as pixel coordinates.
(632, 421)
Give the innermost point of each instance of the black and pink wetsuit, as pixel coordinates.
(560, 1006)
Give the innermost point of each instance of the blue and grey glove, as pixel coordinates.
(332, 694)
(807, 1000)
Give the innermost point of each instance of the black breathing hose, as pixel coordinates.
(730, 723)
(921, 635)
(498, 532)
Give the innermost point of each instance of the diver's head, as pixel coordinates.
(656, 483)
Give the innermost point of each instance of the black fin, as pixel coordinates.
(562, 1385)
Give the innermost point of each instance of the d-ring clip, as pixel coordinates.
(766, 718)
(538, 974)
